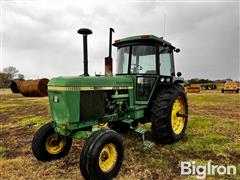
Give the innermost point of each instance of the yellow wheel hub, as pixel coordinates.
(178, 109)
(108, 157)
(54, 147)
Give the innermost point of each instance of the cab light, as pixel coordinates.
(168, 80)
(162, 79)
(145, 36)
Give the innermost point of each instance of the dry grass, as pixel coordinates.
(213, 134)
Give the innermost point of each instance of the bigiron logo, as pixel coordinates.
(201, 171)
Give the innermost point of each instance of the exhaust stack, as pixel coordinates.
(85, 32)
(108, 60)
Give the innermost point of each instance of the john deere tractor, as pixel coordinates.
(145, 89)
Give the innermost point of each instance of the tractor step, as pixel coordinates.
(128, 121)
(140, 130)
(146, 143)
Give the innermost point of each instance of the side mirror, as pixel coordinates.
(179, 74)
(177, 50)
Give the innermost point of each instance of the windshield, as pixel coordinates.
(143, 60)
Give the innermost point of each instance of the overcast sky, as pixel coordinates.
(40, 38)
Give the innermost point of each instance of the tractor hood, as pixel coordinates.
(91, 82)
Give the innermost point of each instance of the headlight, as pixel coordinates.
(168, 80)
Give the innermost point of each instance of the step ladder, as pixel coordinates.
(148, 144)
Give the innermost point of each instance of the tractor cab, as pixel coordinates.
(146, 54)
(147, 57)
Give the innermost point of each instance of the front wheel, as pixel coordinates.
(48, 145)
(102, 155)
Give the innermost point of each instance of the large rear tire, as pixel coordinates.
(46, 146)
(169, 114)
(102, 155)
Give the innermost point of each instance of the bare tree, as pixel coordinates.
(20, 76)
(11, 71)
(7, 76)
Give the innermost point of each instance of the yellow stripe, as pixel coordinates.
(77, 88)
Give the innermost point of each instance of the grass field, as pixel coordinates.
(213, 133)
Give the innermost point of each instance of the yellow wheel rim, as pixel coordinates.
(52, 146)
(108, 158)
(178, 122)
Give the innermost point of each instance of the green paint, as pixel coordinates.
(89, 81)
(131, 39)
(81, 134)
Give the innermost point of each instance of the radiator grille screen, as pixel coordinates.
(92, 105)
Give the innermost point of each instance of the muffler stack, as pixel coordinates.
(108, 60)
(85, 32)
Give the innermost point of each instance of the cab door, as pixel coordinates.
(144, 62)
(145, 86)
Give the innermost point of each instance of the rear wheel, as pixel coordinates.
(203, 87)
(169, 112)
(102, 155)
(48, 145)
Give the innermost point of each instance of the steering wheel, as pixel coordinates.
(136, 67)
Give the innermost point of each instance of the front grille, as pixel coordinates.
(92, 105)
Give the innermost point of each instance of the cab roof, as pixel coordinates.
(143, 39)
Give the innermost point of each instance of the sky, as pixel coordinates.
(40, 38)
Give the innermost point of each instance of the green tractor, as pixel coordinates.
(145, 89)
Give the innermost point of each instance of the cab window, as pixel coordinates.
(166, 64)
(122, 60)
(143, 59)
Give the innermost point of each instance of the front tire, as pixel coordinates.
(169, 114)
(46, 147)
(102, 155)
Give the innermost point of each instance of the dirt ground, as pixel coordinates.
(213, 133)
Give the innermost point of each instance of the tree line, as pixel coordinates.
(197, 81)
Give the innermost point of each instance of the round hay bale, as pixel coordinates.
(34, 88)
(15, 86)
